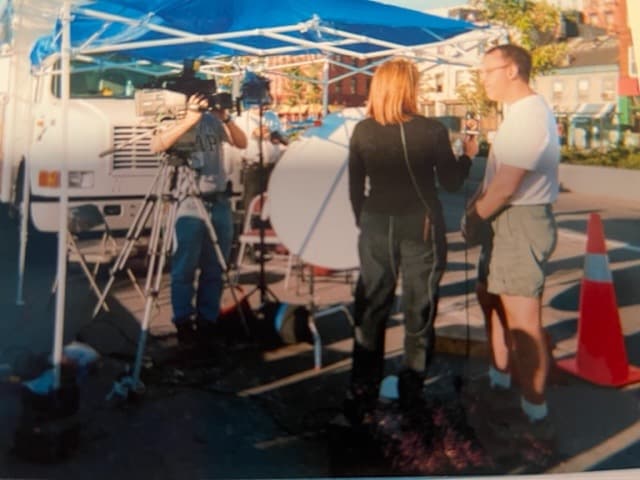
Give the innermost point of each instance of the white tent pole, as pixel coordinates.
(64, 200)
(325, 86)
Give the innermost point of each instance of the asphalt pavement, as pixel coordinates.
(251, 408)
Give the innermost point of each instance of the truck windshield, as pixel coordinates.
(103, 82)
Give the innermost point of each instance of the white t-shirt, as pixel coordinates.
(528, 139)
(249, 122)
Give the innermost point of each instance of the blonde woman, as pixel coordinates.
(400, 155)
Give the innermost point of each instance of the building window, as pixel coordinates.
(633, 68)
(608, 89)
(583, 90)
(461, 77)
(439, 78)
(557, 90)
(609, 19)
(337, 88)
(352, 85)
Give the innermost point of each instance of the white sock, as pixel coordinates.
(534, 411)
(498, 379)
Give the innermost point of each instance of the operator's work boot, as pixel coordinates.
(186, 332)
(209, 334)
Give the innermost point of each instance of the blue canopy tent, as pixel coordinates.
(164, 31)
(170, 30)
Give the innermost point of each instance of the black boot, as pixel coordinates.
(410, 390)
(209, 334)
(186, 331)
(360, 403)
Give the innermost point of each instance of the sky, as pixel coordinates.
(423, 4)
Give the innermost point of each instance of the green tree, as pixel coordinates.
(473, 95)
(303, 86)
(534, 26)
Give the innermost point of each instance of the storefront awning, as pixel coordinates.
(593, 111)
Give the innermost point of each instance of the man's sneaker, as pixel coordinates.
(516, 426)
(186, 333)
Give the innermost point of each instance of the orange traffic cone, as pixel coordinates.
(601, 356)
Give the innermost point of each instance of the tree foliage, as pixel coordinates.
(302, 86)
(532, 25)
(472, 94)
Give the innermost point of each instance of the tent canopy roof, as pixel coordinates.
(171, 30)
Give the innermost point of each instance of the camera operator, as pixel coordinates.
(193, 248)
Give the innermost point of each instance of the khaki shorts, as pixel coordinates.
(513, 261)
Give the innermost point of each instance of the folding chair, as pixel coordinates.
(83, 219)
(315, 313)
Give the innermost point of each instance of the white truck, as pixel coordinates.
(101, 118)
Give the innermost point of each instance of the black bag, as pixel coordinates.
(290, 323)
(271, 326)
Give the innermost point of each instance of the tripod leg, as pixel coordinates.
(134, 232)
(154, 278)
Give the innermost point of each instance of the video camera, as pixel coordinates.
(204, 87)
(167, 98)
(188, 84)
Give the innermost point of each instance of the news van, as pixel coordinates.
(108, 158)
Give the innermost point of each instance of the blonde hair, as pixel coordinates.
(393, 96)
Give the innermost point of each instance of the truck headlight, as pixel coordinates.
(79, 179)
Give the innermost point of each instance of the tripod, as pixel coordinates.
(174, 182)
(261, 287)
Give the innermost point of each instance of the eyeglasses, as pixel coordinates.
(486, 71)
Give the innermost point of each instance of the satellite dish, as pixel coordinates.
(309, 194)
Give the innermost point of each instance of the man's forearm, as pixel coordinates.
(491, 202)
(236, 135)
(503, 186)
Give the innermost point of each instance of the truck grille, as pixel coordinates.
(135, 155)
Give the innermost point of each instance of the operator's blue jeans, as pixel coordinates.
(194, 250)
(387, 244)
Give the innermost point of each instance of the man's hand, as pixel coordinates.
(222, 115)
(470, 145)
(195, 106)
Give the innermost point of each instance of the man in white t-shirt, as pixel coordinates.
(519, 187)
(272, 141)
